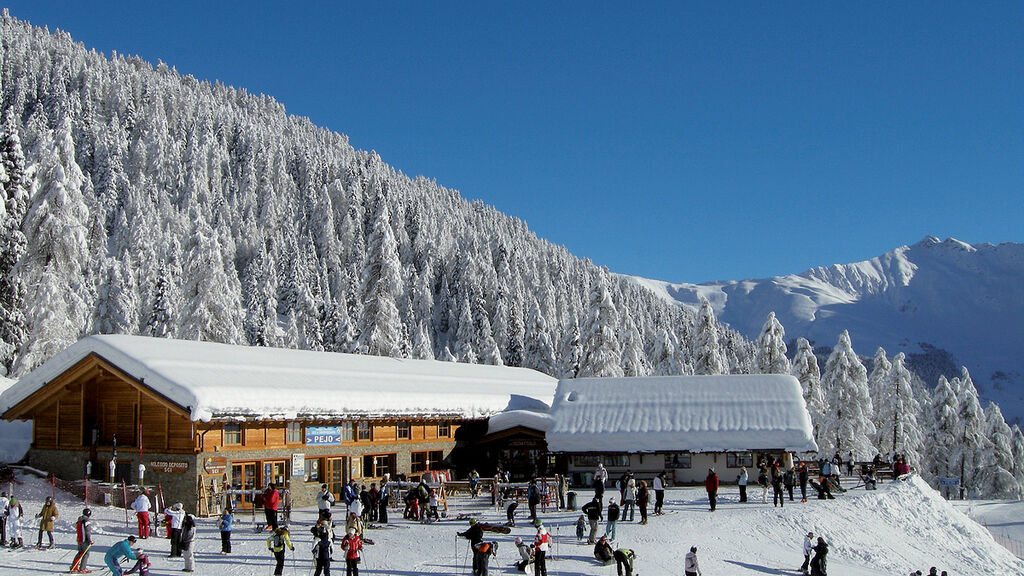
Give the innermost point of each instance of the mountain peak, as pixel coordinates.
(948, 244)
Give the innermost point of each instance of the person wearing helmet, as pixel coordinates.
(276, 543)
(352, 544)
(475, 535)
(141, 565)
(83, 536)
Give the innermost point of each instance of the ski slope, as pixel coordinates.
(903, 526)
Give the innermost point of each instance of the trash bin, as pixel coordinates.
(571, 501)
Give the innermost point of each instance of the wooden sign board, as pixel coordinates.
(168, 467)
(215, 465)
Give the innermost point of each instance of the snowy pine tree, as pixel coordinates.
(943, 436)
(847, 426)
(602, 352)
(997, 472)
(805, 369)
(13, 205)
(896, 415)
(540, 352)
(707, 352)
(1017, 445)
(971, 444)
(380, 327)
(770, 348)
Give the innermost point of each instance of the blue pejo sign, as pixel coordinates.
(323, 435)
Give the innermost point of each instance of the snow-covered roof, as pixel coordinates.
(538, 420)
(213, 380)
(695, 413)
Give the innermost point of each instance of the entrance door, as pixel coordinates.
(337, 475)
(243, 477)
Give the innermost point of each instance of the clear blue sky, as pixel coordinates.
(682, 141)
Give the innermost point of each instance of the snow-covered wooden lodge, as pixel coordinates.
(201, 412)
(683, 425)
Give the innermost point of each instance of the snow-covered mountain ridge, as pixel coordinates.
(943, 303)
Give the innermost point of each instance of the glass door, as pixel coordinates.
(337, 475)
(243, 477)
(275, 471)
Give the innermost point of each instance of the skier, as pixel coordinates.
(485, 550)
(603, 551)
(383, 498)
(227, 519)
(14, 515)
(433, 506)
(711, 485)
(819, 564)
(600, 477)
(188, 536)
(808, 544)
(323, 553)
(141, 565)
(525, 553)
(350, 494)
(271, 500)
(741, 481)
(613, 519)
(276, 543)
(4, 504)
(690, 565)
(176, 513)
(47, 517)
(83, 536)
(324, 501)
(352, 544)
(510, 513)
(659, 493)
(541, 545)
(642, 497)
(594, 512)
(533, 498)
(581, 528)
(849, 464)
(624, 558)
(629, 497)
(353, 522)
(475, 535)
(365, 501)
(141, 506)
(122, 549)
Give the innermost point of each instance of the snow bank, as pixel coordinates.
(213, 380)
(697, 413)
(15, 437)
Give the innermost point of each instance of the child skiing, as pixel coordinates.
(352, 544)
(323, 553)
(141, 566)
(581, 528)
(48, 515)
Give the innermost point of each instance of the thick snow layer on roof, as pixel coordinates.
(219, 380)
(695, 413)
(532, 419)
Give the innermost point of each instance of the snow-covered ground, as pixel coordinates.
(896, 529)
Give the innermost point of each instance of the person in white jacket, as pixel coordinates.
(629, 496)
(659, 493)
(176, 513)
(142, 506)
(808, 545)
(691, 567)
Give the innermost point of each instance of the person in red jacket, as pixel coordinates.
(352, 544)
(271, 499)
(711, 485)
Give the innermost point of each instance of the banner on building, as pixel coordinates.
(298, 464)
(323, 435)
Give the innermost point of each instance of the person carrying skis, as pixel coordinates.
(475, 535)
(276, 543)
(594, 512)
(14, 515)
(603, 551)
(352, 544)
(324, 501)
(323, 553)
(47, 517)
(177, 514)
(541, 545)
(141, 505)
(808, 545)
(83, 536)
(819, 564)
(613, 519)
(711, 485)
(188, 536)
(624, 558)
(690, 565)
(141, 565)
(227, 519)
(122, 549)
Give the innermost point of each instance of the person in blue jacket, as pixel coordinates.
(122, 549)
